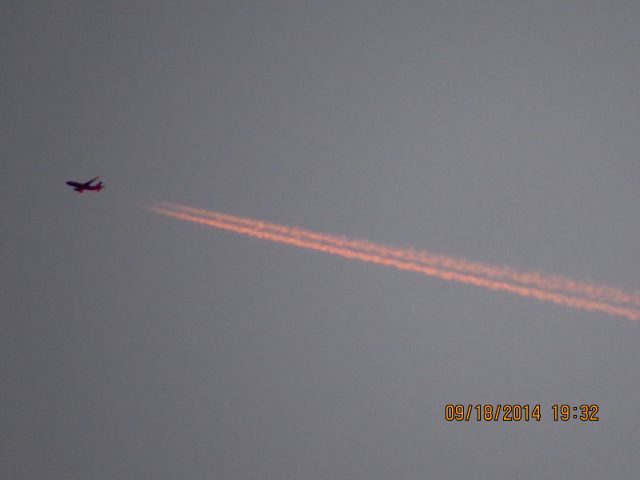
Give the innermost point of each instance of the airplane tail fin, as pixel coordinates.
(99, 186)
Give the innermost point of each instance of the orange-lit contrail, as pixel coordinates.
(291, 236)
(535, 279)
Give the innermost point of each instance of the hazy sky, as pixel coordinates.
(137, 346)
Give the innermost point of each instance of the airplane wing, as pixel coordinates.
(91, 181)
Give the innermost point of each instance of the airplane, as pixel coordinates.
(81, 187)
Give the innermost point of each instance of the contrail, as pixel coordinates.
(535, 279)
(292, 236)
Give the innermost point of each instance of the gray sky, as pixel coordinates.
(136, 346)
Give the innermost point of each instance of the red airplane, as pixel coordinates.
(81, 187)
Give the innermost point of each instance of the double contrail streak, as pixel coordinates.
(526, 284)
(545, 282)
